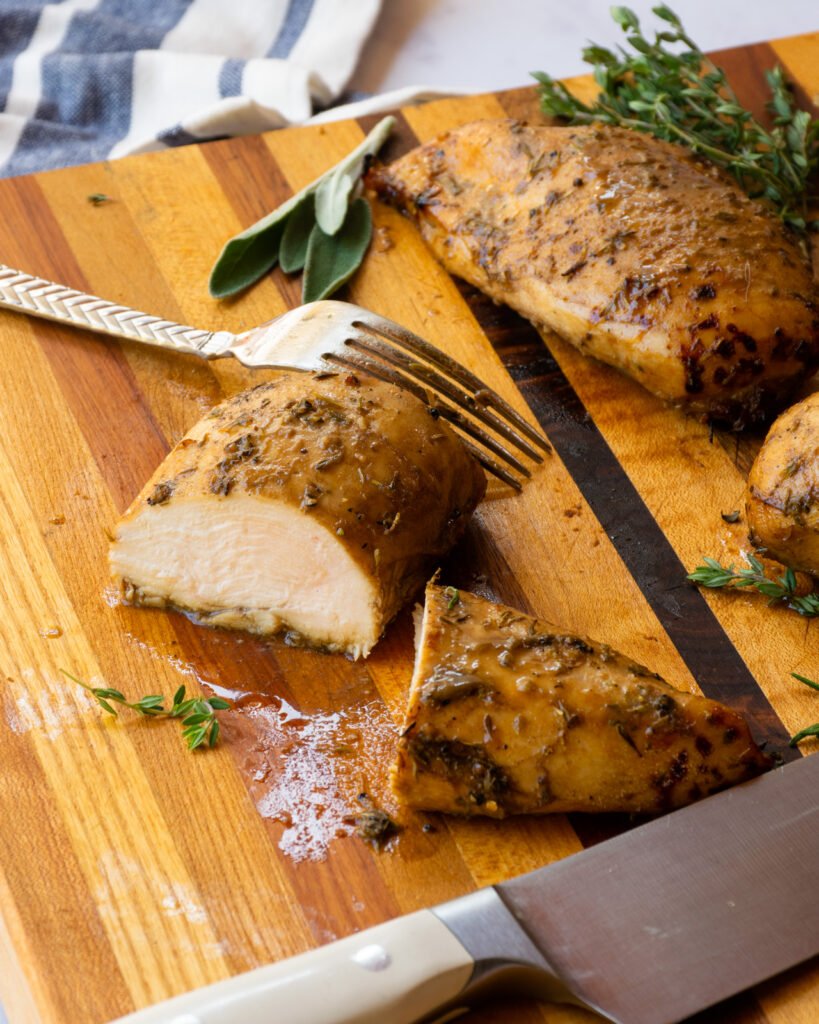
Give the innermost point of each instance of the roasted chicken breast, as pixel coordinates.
(630, 248)
(508, 714)
(312, 505)
(782, 498)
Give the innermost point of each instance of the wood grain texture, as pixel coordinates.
(131, 870)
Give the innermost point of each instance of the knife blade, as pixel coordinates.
(646, 928)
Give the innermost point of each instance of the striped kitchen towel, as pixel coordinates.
(83, 80)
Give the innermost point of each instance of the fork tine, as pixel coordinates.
(456, 417)
(369, 345)
(491, 466)
(385, 373)
(483, 394)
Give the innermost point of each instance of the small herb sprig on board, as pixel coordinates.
(324, 230)
(779, 591)
(810, 730)
(199, 724)
(679, 95)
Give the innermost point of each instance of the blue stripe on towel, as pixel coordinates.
(80, 81)
(87, 85)
(298, 13)
(155, 16)
(177, 136)
(84, 111)
(18, 28)
(116, 26)
(230, 78)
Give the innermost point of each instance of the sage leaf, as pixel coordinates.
(251, 254)
(293, 248)
(333, 259)
(244, 260)
(335, 187)
(332, 202)
(248, 256)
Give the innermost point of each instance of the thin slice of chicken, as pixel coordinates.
(312, 506)
(508, 714)
(630, 248)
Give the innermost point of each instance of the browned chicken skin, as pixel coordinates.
(631, 249)
(508, 714)
(782, 499)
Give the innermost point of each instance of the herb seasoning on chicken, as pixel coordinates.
(311, 506)
(782, 501)
(509, 715)
(630, 248)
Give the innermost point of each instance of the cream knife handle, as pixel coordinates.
(398, 972)
(38, 297)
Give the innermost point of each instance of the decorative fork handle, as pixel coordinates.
(38, 297)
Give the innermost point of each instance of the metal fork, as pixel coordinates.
(319, 336)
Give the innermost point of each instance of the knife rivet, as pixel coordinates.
(372, 958)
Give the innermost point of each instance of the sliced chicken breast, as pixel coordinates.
(312, 506)
(630, 248)
(508, 714)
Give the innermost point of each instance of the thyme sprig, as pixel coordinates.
(200, 726)
(810, 730)
(670, 89)
(781, 590)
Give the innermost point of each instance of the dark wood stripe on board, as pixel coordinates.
(681, 609)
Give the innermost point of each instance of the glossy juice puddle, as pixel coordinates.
(309, 771)
(312, 773)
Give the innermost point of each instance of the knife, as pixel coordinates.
(646, 928)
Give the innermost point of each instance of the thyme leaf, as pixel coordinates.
(670, 89)
(810, 730)
(199, 724)
(782, 590)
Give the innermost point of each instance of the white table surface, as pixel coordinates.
(483, 45)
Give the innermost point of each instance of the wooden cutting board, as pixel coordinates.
(131, 869)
